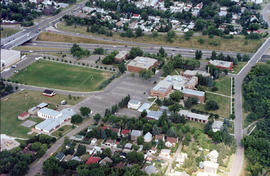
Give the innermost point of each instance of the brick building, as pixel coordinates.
(194, 94)
(221, 64)
(140, 63)
(121, 56)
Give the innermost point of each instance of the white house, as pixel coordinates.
(217, 125)
(148, 137)
(213, 156)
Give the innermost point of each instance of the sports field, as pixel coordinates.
(61, 76)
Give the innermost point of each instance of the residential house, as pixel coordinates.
(60, 156)
(128, 146)
(125, 133)
(93, 160)
(165, 153)
(210, 167)
(148, 137)
(160, 137)
(150, 170)
(217, 125)
(135, 134)
(105, 161)
(171, 142)
(213, 156)
(153, 115)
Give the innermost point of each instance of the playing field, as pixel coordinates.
(19, 102)
(61, 76)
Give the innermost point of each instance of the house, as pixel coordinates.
(217, 125)
(60, 156)
(210, 167)
(48, 93)
(105, 161)
(110, 143)
(181, 158)
(23, 116)
(149, 170)
(194, 116)
(153, 150)
(76, 158)
(159, 137)
(93, 160)
(221, 64)
(115, 130)
(121, 56)
(135, 134)
(154, 115)
(140, 63)
(136, 16)
(128, 146)
(171, 142)
(134, 104)
(200, 95)
(165, 153)
(148, 137)
(125, 133)
(213, 156)
(93, 141)
(68, 158)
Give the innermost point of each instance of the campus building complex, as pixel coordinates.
(140, 63)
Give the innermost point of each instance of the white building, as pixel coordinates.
(194, 116)
(148, 137)
(210, 167)
(213, 156)
(46, 113)
(165, 153)
(134, 104)
(217, 125)
(9, 57)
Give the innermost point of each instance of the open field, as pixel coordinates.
(61, 131)
(8, 31)
(223, 103)
(238, 44)
(53, 37)
(61, 76)
(224, 85)
(14, 104)
(238, 67)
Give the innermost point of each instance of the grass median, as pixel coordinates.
(61, 76)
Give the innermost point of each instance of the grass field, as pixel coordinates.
(8, 31)
(14, 104)
(61, 131)
(61, 76)
(238, 44)
(53, 37)
(238, 67)
(224, 85)
(223, 103)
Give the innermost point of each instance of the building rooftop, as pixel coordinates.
(92, 160)
(42, 105)
(6, 54)
(162, 86)
(24, 114)
(144, 106)
(136, 133)
(142, 62)
(196, 72)
(121, 54)
(135, 102)
(193, 115)
(217, 124)
(154, 114)
(220, 63)
(193, 92)
(210, 164)
(49, 112)
(150, 170)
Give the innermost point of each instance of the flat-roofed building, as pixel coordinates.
(194, 116)
(121, 56)
(134, 104)
(191, 73)
(9, 57)
(46, 113)
(200, 95)
(162, 89)
(221, 64)
(140, 63)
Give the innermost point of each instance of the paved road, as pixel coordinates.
(266, 14)
(109, 48)
(238, 129)
(30, 33)
(176, 155)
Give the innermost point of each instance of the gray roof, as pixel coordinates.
(49, 112)
(154, 114)
(193, 115)
(142, 62)
(128, 145)
(217, 124)
(121, 54)
(132, 101)
(60, 155)
(163, 86)
(193, 92)
(42, 105)
(145, 106)
(136, 133)
(150, 170)
(220, 63)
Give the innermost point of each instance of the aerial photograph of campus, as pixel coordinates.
(135, 88)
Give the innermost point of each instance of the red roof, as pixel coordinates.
(104, 127)
(125, 132)
(136, 15)
(93, 160)
(171, 140)
(24, 114)
(116, 130)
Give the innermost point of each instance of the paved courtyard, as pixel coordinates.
(28, 123)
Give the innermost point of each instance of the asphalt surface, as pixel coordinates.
(31, 32)
(185, 52)
(238, 123)
(266, 14)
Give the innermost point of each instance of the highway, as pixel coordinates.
(238, 123)
(185, 52)
(31, 32)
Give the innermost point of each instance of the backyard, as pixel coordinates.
(61, 76)
(19, 102)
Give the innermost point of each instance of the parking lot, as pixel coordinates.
(136, 87)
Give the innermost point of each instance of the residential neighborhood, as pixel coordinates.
(135, 87)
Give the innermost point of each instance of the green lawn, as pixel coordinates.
(61, 131)
(223, 103)
(8, 31)
(238, 67)
(61, 76)
(224, 85)
(14, 104)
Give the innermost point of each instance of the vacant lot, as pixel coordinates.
(238, 44)
(223, 103)
(61, 76)
(14, 104)
(8, 31)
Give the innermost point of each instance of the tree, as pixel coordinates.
(76, 119)
(97, 117)
(174, 108)
(155, 130)
(154, 34)
(99, 51)
(85, 111)
(122, 67)
(211, 105)
(140, 140)
(81, 150)
(170, 36)
(188, 34)
(139, 32)
(144, 113)
(145, 74)
(134, 52)
(52, 167)
(198, 54)
(176, 95)
(107, 152)
(161, 52)
(20, 168)
(135, 157)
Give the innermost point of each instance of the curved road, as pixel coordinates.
(238, 129)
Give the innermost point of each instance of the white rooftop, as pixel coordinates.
(136, 133)
(193, 115)
(210, 164)
(217, 125)
(134, 102)
(195, 72)
(193, 92)
(142, 62)
(121, 54)
(144, 106)
(49, 112)
(220, 63)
